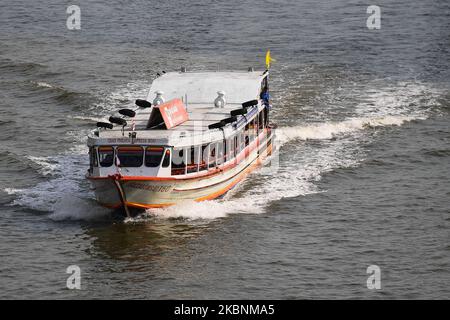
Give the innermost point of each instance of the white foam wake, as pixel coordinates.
(45, 165)
(330, 130)
(298, 169)
(66, 194)
(44, 84)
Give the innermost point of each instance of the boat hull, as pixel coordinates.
(151, 192)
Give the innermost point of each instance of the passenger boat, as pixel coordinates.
(195, 137)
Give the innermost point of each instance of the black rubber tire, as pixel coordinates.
(238, 112)
(230, 119)
(216, 125)
(127, 112)
(143, 103)
(119, 121)
(249, 103)
(104, 125)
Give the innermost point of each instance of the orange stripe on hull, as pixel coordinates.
(135, 205)
(149, 206)
(243, 174)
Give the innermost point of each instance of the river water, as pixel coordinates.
(364, 154)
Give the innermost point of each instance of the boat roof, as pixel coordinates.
(200, 89)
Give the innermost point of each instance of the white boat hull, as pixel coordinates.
(153, 192)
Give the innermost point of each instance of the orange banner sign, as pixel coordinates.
(173, 112)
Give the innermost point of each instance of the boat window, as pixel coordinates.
(153, 156)
(251, 125)
(261, 120)
(106, 156)
(228, 150)
(246, 133)
(130, 156)
(241, 140)
(178, 162)
(220, 153)
(94, 151)
(192, 159)
(212, 155)
(93, 158)
(266, 117)
(204, 158)
(251, 130)
(166, 161)
(235, 149)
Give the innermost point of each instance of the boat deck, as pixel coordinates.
(198, 90)
(200, 117)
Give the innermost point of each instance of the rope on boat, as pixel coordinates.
(122, 196)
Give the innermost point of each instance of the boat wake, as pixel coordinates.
(331, 130)
(287, 175)
(64, 194)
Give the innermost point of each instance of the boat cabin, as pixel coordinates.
(191, 123)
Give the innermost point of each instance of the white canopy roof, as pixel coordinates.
(202, 87)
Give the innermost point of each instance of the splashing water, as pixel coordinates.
(44, 85)
(66, 194)
(330, 130)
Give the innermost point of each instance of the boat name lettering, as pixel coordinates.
(127, 140)
(154, 188)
